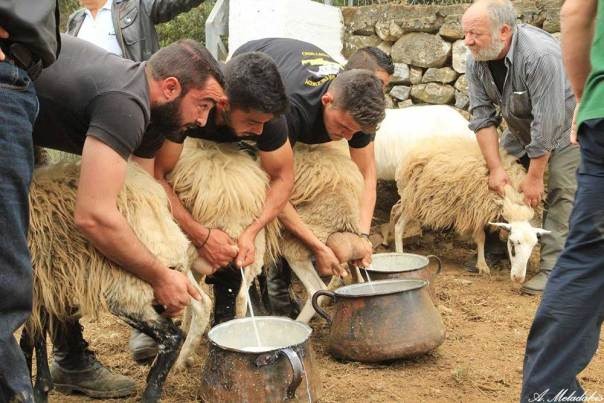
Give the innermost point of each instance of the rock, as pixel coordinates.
(462, 84)
(400, 92)
(552, 20)
(429, 23)
(401, 74)
(415, 75)
(404, 104)
(389, 102)
(361, 20)
(388, 30)
(460, 53)
(443, 75)
(385, 47)
(462, 101)
(528, 13)
(421, 49)
(451, 29)
(433, 93)
(353, 43)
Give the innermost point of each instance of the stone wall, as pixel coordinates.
(426, 45)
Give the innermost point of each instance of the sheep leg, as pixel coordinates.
(169, 339)
(27, 347)
(399, 231)
(43, 379)
(385, 230)
(250, 274)
(199, 317)
(312, 282)
(481, 263)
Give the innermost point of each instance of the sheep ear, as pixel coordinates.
(503, 225)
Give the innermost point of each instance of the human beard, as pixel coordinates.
(491, 52)
(166, 120)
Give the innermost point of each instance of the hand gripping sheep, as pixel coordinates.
(70, 274)
(443, 183)
(223, 187)
(326, 195)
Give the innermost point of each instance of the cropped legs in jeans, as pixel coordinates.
(18, 109)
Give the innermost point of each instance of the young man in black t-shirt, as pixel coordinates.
(326, 105)
(251, 109)
(109, 109)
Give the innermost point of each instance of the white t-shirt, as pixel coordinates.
(100, 30)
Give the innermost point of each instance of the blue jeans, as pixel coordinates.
(566, 329)
(18, 110)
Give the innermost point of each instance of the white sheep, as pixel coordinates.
(402, 128)
(223, 187)
(326, 195)
(70, 273)
(443, 183)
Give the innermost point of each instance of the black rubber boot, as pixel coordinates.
(76, 369)
(278, 288)
(227, 282)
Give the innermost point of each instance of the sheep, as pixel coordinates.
(402, 128)
(443, 183)
(225, 188)
(70, 273)
(326, 195)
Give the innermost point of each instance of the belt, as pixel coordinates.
(23, 58)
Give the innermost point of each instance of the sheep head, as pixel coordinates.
(522, 239)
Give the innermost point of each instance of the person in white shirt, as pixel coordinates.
(125, 27)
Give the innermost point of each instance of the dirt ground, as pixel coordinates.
(486, 319)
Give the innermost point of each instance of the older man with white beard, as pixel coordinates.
(518, 68)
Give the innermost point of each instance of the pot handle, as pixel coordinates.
(440, 264)
(315, 303)
(294, 361)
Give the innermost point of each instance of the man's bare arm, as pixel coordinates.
(102, 176)
(327, 262)
(215, 246)
(577, 22)
(364, 158)
(488, 140)
(279, 165)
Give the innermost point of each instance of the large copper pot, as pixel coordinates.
(238, 370)
(382, 320)
(385, 266)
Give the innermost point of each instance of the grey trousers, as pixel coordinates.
(561, 188)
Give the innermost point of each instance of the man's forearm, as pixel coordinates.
(276, 199)
(488, 141)
(185, 220)
(537, 166)
(577, 29)
(367, 205)
(110, 233)
(291, 220)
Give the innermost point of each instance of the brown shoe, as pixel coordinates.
(536, 284)
(94, 381)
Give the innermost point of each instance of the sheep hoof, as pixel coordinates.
(183, 365)
(484, 269)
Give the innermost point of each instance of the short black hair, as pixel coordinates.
(370, 58)
(253, 82)
(359, 92)
(188, 61)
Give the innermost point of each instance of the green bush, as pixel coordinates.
(187, 25)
